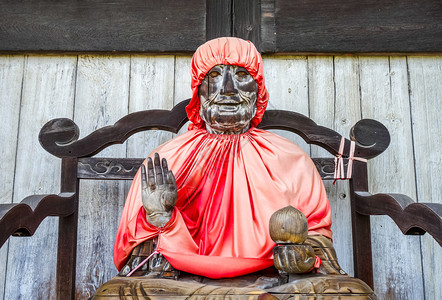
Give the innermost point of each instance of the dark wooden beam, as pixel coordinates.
(365, 26)
(218, 18)
(247, 20)
(180, 26)
(102, 26)
(67, 234)
(361, 227)
(268, 28)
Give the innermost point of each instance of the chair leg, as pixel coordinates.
(66, 257)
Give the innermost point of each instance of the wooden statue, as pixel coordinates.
(200, 222)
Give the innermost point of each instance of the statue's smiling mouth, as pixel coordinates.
(228, 105)
(228, 102)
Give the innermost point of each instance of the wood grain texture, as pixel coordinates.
(59, 136)
(384, 96)
(425, 75)
(11, 77)
(91, 25)
(102, 95)
(148, 72)
(268, 26)
(108, 168)
(317, 26)
(48, 91)
(218, 18)
(381, 99)
(126, 168)
(23, 219)
(287, 83)
(182, 88)
(412, 218)
(246, 21)
(325, 81)
(141, 288)
(364, 26)
(347, 113)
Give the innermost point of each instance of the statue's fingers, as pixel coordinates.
(158, 170)
(277, 260)
(171, 181)
(143, 177)
(165, 169)
(150, 174)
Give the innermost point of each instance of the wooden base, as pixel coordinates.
(310, 286)
(145, 288)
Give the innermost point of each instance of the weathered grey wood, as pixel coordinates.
(384, 96)
(347, 113)
(182, 83)
(11, 77)
(125, 168)
(425, 75)
(287, 83)
(146, 73)
(326, 79)
(108, 168)
(48, 91)
(102, 96)
(400, 280)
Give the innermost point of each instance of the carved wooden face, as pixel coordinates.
(228, 99)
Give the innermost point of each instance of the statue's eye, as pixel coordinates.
(242, 76)
(214, 74)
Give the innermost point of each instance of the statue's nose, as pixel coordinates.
(228, 87)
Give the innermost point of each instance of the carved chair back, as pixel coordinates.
(60, 138)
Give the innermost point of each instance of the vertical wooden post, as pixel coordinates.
(240, 18)
(218, 18)
(361, 232)
(67, 234)
(246, 18)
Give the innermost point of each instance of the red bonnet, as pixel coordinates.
(226, 51)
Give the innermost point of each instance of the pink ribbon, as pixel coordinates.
(339, 161)
(142, 263)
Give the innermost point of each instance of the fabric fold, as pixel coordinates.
(228, 188)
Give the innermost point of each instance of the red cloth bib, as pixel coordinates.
(228, 187)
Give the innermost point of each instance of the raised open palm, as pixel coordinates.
(158, 191)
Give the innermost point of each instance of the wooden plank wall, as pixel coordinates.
(404, 93)
(180, 26)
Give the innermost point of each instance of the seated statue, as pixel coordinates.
(197, 220)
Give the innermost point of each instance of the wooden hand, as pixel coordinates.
(158, 191)
(294, 258)
(288, 228)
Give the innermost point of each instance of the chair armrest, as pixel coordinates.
(22, 219)
(411, 217)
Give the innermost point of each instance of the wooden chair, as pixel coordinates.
(59, 137)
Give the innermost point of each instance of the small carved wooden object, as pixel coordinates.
(289, 229)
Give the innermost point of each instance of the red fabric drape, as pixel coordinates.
(226, 51)
(228, 187)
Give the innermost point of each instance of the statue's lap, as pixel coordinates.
(253, 286)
